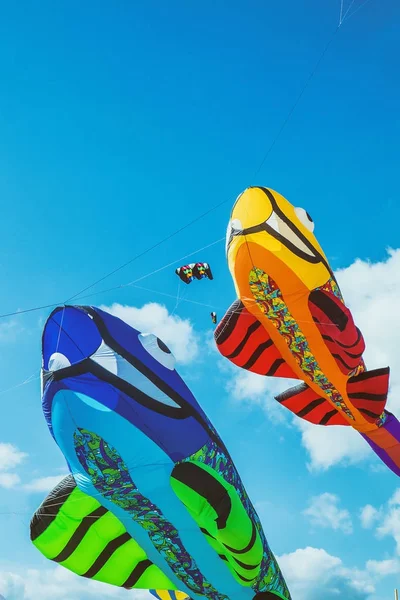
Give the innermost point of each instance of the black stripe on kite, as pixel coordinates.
(367, 396)
(137, 573)
(249, 545)
(326, 418)
(204, 484)
(244, 578)
(257, 353)
(80, 533)
(369, 413)
(329, 339)
(50, 508)
(368, 374)
(244, 566)
(304, 411)
(228, 323)
(106, 554)
(329, 308)
(250, 330)
(340, 359)
(274, 367)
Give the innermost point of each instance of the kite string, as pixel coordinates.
(341, 12)
(60, 329)
(54, 304)
(357, 9)
(34, 377)
(132, 283)
(347, 11)
(177, 297)
(201, 216)
(36, 374)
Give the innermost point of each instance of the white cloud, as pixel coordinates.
(390, 523)
(59, 583)
(252, 389)
(328, 446)
(313, 574)
(368, 516)
(9, 480)
(177, 333)
(10, 458)
(43, 484)
(324, 511)
(9, 330)
(386, 519)
(390, 566)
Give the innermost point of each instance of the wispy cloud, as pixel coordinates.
(43, 484)
(10, 330)
(47, 584)
(10, 458)
(313, 573)
(323, 511)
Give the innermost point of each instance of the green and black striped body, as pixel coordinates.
(75, 530)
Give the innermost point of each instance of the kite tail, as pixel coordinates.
(385, 442)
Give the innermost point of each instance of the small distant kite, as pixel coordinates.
(200, 270)
(214, 317)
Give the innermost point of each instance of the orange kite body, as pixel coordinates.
(290, 320)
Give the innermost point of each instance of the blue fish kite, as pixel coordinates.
(153, 500)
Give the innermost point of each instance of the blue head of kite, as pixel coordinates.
(153, 500)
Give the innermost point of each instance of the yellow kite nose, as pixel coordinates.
(251, 208)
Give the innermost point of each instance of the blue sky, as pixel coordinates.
(119, 123)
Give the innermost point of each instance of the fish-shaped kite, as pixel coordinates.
(290, 320)
(154, 500)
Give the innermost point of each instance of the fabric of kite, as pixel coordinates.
(200, 270)
(290, 320)
(153, 500)
(169, 595)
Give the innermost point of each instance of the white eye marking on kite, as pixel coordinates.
(158, 350)
(304, 218)
(233, 226)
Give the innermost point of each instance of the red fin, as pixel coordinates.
(336, 325)
(308, 405)
(368, 392)
(244, 341)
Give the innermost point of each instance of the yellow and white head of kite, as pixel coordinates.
(265, 226)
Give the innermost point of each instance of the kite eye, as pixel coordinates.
(305, 218)
(233, 226)
(158, 350)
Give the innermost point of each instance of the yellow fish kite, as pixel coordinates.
(290, 320)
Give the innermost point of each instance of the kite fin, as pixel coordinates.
(77, 531)
(216, 507)
(385, 442)
(368, 392)
(241, 338)
(308, 405)
(336, 325)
